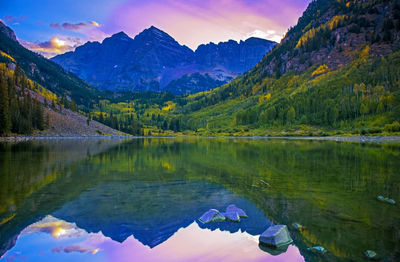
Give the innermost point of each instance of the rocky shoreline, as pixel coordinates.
(30, 138)
(359, 139)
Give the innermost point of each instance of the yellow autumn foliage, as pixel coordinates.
(331, 25)
(264, 98)
(7, 55)
(322, 69)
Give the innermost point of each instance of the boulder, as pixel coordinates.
(276, 236)
(212, 215)
(233, 209)
(387, 200)
(275, 251)
(231, 216)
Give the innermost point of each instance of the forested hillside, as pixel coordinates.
(27, 108)
(19, 112)
(43, 71)
(337, 71)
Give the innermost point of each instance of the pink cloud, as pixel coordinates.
(54, 46)
(74, 27)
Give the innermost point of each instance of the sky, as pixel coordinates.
(52, 27)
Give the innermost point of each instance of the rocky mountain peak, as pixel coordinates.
(154, 34)
(7, 31)
(153, 60)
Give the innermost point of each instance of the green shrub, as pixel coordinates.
(393, 127)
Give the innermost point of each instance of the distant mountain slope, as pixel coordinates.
(332, 32)
(42, 70)
(153, 59)
(27, 108)
(235, 57)
(26, 104)
(337, 69)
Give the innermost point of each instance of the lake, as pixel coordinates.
(141, 199)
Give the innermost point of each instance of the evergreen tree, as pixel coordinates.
(290, 115)
(5, 123)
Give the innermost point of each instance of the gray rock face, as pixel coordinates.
(154, 61)
(212, 215)
(236, 57)
(276, 236)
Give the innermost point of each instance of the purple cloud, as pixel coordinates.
(74, 248)
(13, 19)
(74, 27)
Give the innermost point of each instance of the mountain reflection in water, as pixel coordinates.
(115, 200)
(52, 239)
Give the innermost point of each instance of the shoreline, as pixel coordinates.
(359, 139)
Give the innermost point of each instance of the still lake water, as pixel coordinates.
(140, 200)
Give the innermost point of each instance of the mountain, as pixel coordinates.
(43, 71)
(335, 72)
(36, 95)
(174, 205)
(235, 57)
(6, 31)
(153, 60)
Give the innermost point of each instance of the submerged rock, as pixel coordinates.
(371, 254)
(275, 251)
(231, 216)
(276, 236)
(212, 215)
(387, 200)
(235, 209)
(297, 226)
(318, 249)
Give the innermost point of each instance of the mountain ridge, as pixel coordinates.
(153, 59)
(45, 72)
(335, 71)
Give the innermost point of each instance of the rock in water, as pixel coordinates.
(276, 236)
(275, 251)
(211, 215)
(387, 200)
(371, 254)
(231, 216)
(235, 209)
(318, 249)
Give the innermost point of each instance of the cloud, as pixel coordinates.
(56, 45)
(74, 27)
(13, 19)
(55, 227)
(94, 23)
(75, 248)
(269, 34)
